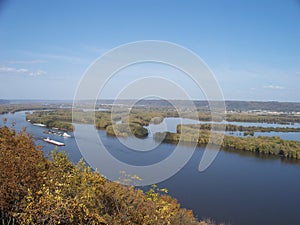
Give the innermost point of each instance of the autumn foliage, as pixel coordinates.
(35, 190)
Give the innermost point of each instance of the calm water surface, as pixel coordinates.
(238, 188)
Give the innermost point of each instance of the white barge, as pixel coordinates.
(48, 140)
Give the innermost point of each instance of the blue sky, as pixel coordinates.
(253, 47)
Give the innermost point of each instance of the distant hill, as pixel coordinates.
(2, 101)
(273, 106)
(230, 105)
(269, 106)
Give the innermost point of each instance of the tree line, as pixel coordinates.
(262, 145)
(231, 127)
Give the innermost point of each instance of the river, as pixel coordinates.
(239, 188)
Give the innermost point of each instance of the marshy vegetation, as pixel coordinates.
(137, 118)
(145, 116)
(127, 129)
(264, 145)
(233, 128)
(123, 123)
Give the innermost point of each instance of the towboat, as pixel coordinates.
(66, 135)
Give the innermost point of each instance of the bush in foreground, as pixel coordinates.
(34, 190)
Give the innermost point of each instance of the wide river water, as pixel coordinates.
(238, 188)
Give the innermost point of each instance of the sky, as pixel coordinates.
(252, 46)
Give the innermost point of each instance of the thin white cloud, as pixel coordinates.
(277, 87)
(5, 69)
(13, 70)
(37, 73)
